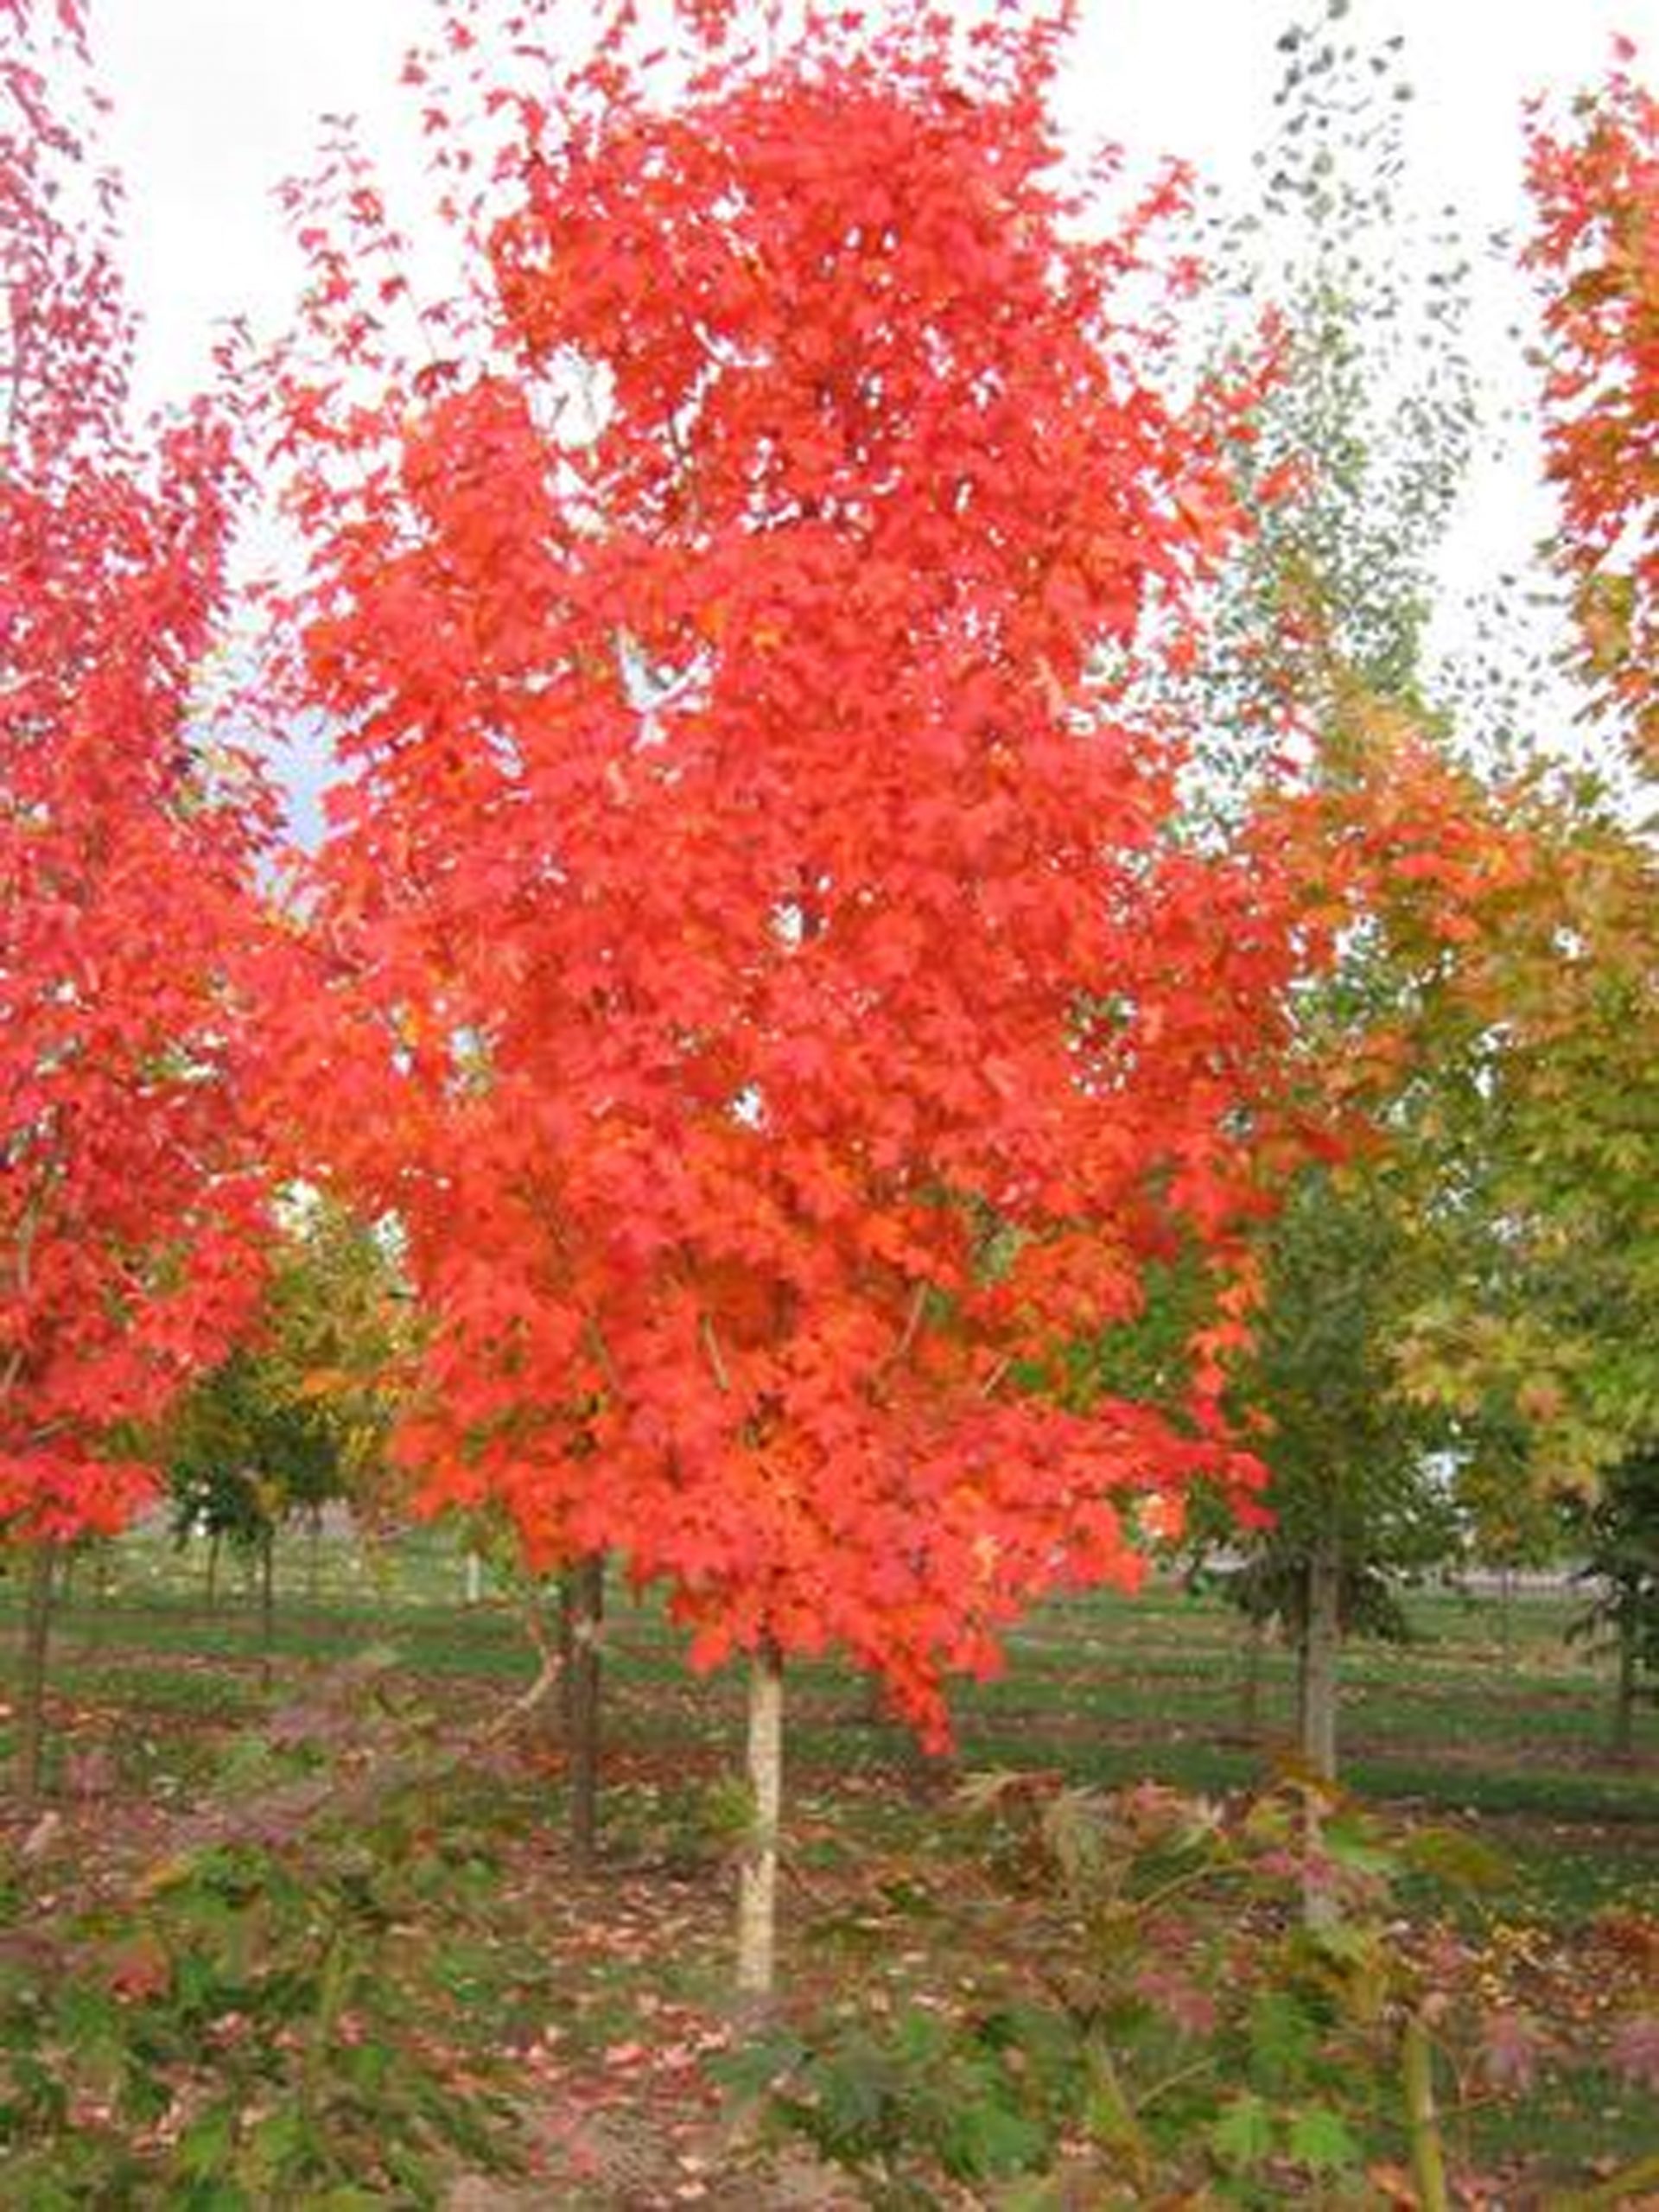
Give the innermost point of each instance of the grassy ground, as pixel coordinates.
(615, 2009)
(1102, 1688)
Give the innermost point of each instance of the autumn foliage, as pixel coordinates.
(758, 969)
(1567, 1325)
(127, 1208)
(1596, 187)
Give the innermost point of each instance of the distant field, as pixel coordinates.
(1100, 1687)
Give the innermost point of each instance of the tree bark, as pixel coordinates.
(1317, 1716)
(31, 1689)
(757, 1904)
(1621, 1740)
(267, 1609)
(583, 1619)
(474, 1580)
(1250, 1685)
(567, 1640)
(1321, 1650)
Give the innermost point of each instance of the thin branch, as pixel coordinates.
(992, 1382)
(547, 1677)
(716, 1358)
(1172, 2081)
(908, 1335)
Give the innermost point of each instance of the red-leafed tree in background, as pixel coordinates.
(767, 988)
(126, 1208)
(1596, 249)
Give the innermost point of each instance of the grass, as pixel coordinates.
(1106, 1690)
(1100, 1687)
(1473, 1721)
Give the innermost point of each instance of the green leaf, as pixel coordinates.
(273, 2145)
(1460, 1860)
(989, 2139)
(210, 2195)
(1320, 2140)
(1354, 1845)
(1348, 1944)
(207, 2145)
(1242, 2137)
(1283, 2039)
(753, 2067)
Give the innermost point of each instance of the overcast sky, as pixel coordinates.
(217, 101)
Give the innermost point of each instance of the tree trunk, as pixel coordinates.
(31, 1689)
(95, 1571)
(212, 1570)
(474, 1580)
(314, 1557)
(1321, 1649)
(567, 1639)
(1506, 1619)
(267, 1609)
(872, 1701)
(1621, 1740)
(1249, 1683)
(757, 1904)
(582, 1617)
(1317, 1717)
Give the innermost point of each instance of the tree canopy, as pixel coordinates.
(130, 1205)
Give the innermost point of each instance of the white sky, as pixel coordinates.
(217, 101)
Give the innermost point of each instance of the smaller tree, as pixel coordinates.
(1356, 457)
(294, 1419)
(1510, 1520)
(1357, 1496)
(244, 1456)
(1621, 1565)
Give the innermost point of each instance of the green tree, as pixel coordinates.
(1360, 1490)
(1354, 463)
(294, 1420)
(1562, 1327)
(1356, 460)
(1510, 1523)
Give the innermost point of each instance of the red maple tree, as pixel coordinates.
(761, 969)
(1596, 187)
(128, 1210)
